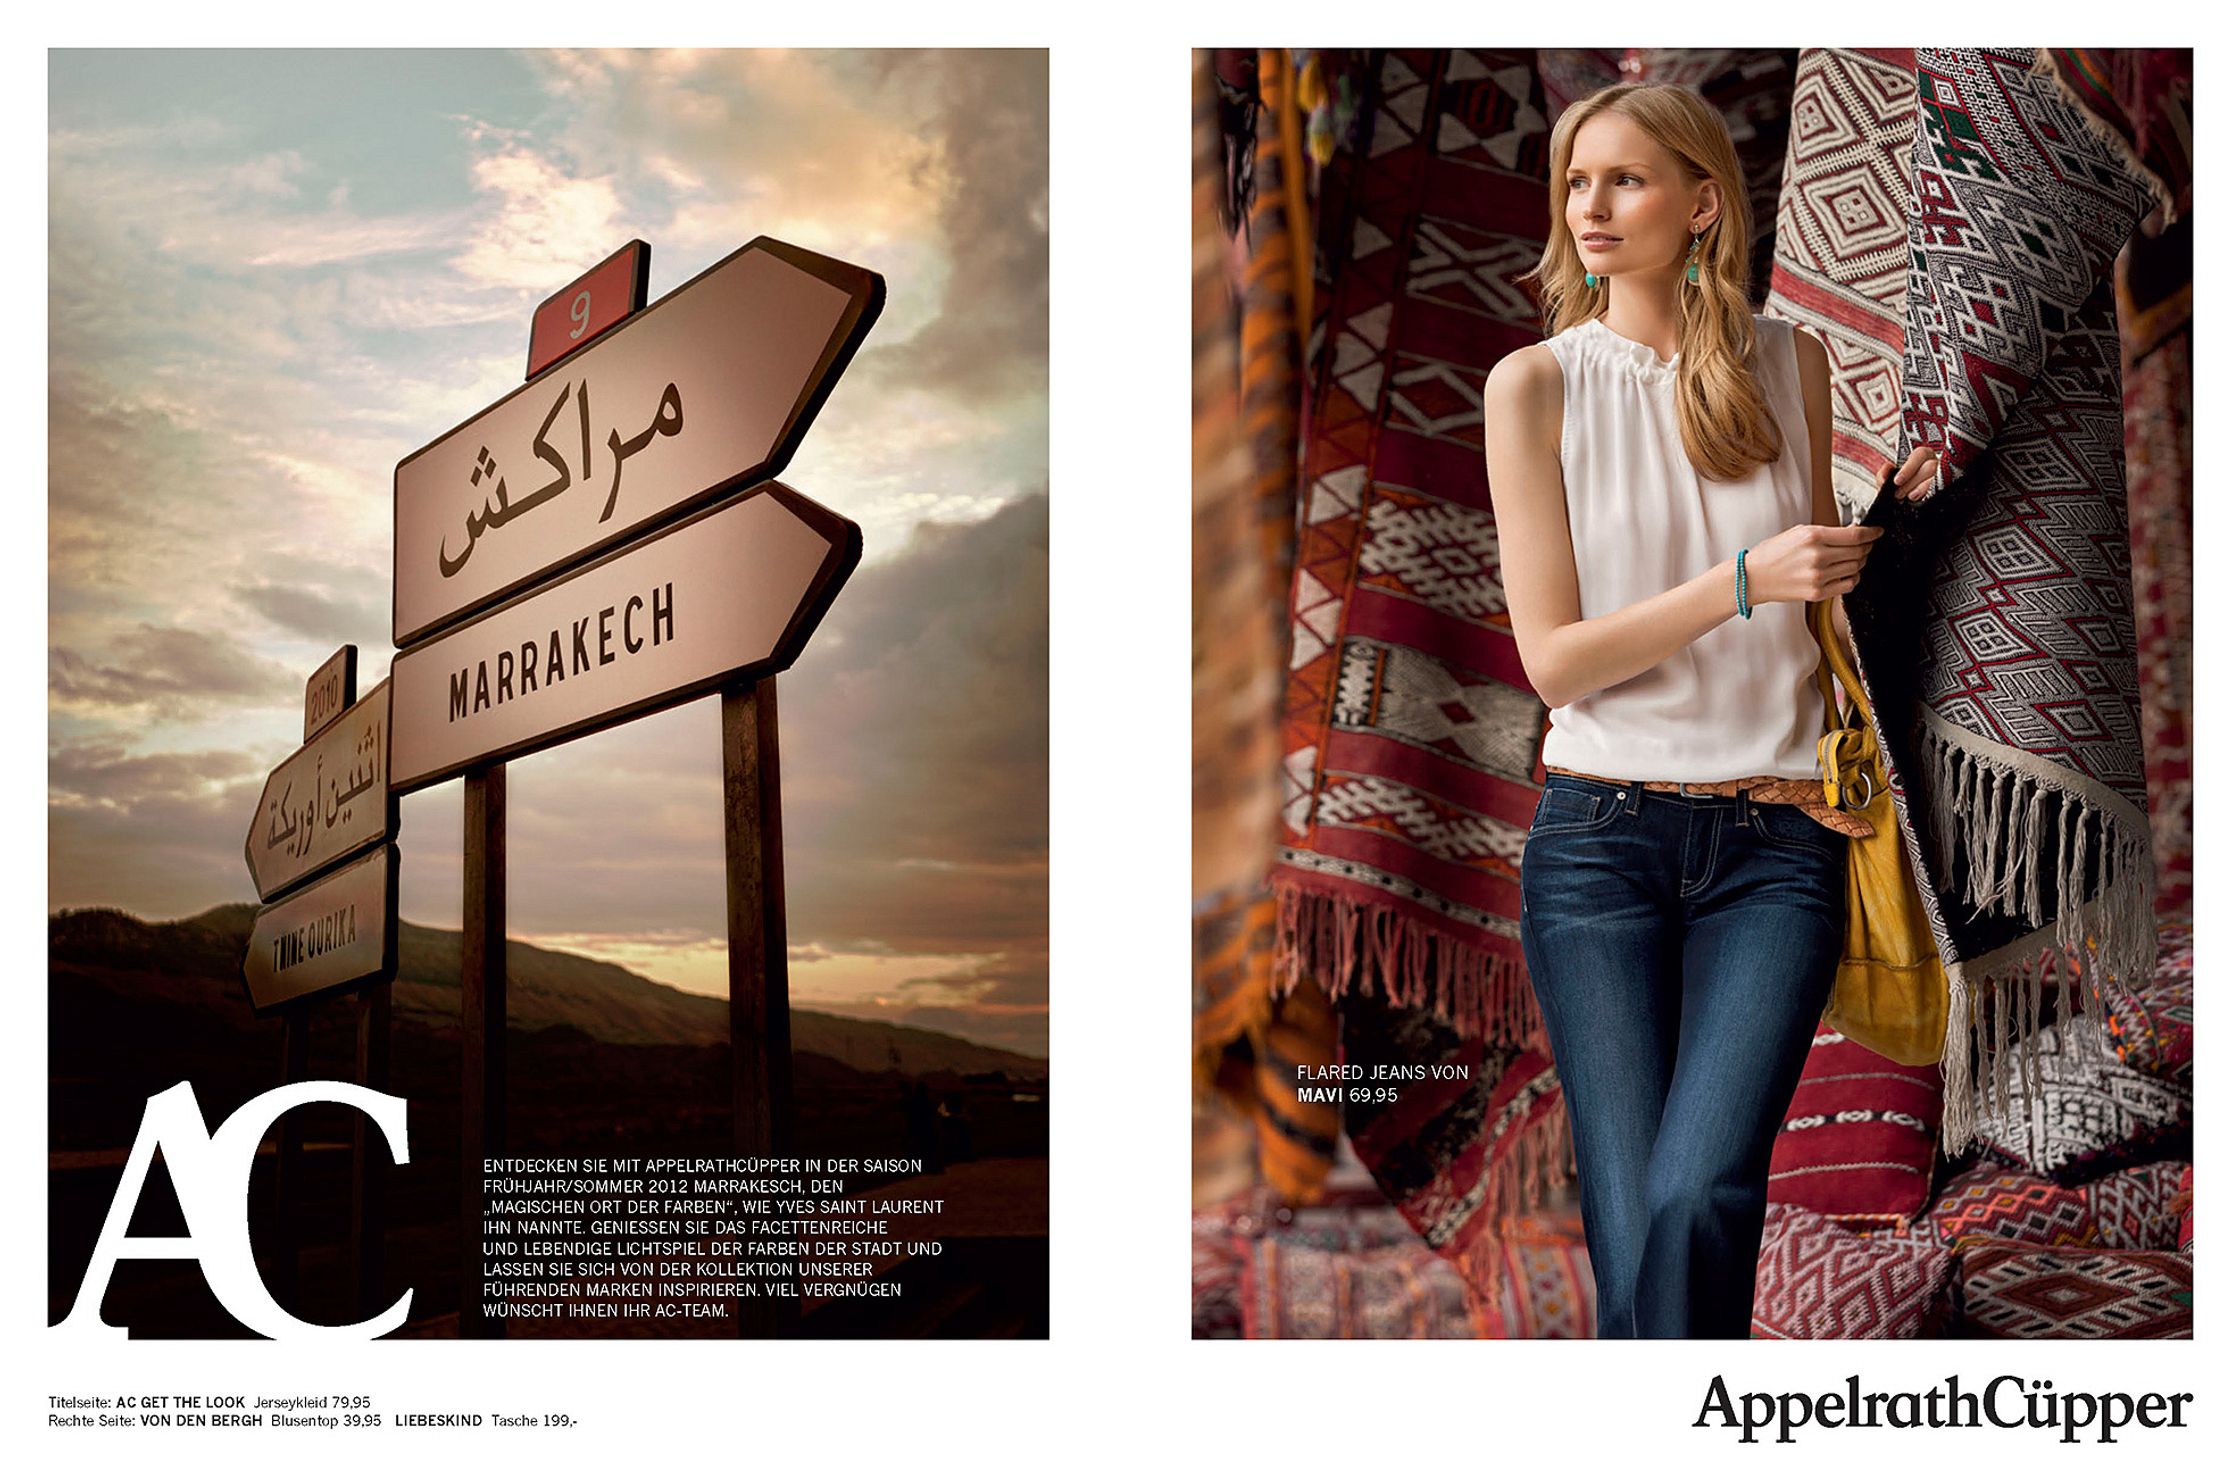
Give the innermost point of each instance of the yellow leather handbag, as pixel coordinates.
(1889, 993)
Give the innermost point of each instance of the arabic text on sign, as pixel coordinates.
(498, 508)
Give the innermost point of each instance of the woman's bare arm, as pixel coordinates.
(1566, 657)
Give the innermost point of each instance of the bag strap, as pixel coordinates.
(1836, 660)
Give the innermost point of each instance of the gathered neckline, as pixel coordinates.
(1635, 357)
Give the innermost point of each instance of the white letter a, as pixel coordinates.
(211, 1174)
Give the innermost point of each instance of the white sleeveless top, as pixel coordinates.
(1741, 701)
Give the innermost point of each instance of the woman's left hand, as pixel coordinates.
(1919, 475)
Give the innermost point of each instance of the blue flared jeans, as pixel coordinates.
(1682, 947)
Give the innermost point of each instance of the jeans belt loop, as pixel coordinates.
(1741, 806)
(1632, 797)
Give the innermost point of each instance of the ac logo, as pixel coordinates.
(210, 1171)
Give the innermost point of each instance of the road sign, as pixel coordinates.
(329, 799)
(706, 391)
(339, 932)
(733, 590)
(331, 689)
(587, 307)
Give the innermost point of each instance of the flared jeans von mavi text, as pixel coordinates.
(1682, 947)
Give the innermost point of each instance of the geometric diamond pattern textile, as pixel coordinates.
(2086, 1111)
(1995, 623)
(1409, 731)
(1546, 1285)
(1409, 734)
(2014, 1291)
(1839, 264)
(2129, 1210)
(1818, 1280)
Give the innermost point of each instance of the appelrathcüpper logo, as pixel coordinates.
(2007, 1401)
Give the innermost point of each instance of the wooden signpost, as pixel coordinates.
(317, 853)
(603, 543)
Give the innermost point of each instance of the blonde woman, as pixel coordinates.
(1663, 492)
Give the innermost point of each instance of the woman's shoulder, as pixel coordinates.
(1525, 379)
(1522, 366)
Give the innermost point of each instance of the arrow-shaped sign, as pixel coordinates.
(339, 931)
(704, 392)
(732, 591)
(328, 800)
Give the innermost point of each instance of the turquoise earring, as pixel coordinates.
(1693, 247)
(1590, 280)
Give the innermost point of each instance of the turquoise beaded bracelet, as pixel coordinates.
(1741, 585)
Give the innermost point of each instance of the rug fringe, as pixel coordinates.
(1517, 1186)
(1995, 819)
(1346, 945)
(2135, 164)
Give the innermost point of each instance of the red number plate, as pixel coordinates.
(588, 307)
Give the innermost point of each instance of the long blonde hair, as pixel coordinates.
(1726, 426)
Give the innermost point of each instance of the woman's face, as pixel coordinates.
(1630, 204)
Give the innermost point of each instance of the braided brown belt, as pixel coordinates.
(1806, 795)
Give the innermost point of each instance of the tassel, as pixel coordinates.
(1345, 945)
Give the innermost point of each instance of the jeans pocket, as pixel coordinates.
(1787, 826)
(1569, 807)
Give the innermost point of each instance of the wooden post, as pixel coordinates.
(755, 904)
(369, 1176)
(287, 1174)
(482, 1028)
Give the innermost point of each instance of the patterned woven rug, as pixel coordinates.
(1817, 1280)
(2014, 1291)
(1995, 621)
(1839, 264)
(1484, 1132)
(1410, 736)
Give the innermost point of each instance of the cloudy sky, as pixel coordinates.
(272, 275)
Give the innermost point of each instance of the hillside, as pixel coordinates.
(197, 961)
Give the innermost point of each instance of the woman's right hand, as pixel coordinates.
(1811, 561)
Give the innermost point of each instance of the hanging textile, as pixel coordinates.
(1247, 1044)
(1839, 264)
(1995, 622)
(1410, 735)
(2154, 302)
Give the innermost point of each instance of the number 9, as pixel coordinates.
(579, 313)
